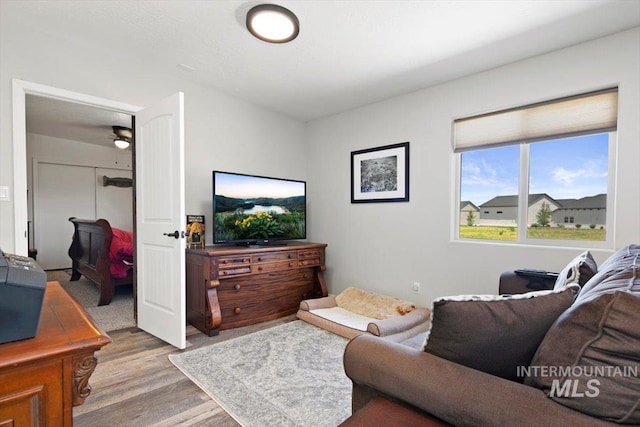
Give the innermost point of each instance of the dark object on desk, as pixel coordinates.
(526, 280)
(22, 286)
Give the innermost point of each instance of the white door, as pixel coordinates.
(160, 259)
(61, 191)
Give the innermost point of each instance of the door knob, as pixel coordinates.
(175, 234)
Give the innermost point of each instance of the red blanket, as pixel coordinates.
(121, 253)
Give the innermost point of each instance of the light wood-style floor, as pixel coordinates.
(135, 384)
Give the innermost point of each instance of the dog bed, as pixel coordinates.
(355, 311)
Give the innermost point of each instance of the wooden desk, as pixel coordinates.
(43, 378)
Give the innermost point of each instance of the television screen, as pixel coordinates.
(253, 209)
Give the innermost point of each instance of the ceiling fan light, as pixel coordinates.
(121, 143)
(272, 23)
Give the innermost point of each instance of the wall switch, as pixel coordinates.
(416, 287)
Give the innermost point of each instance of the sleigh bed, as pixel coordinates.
(102, 254)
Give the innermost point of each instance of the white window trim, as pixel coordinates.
(523, 195)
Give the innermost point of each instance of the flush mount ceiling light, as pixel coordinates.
(123, 137)
(121, 143)
(272, 23)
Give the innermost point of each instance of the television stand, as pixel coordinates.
(232, 286)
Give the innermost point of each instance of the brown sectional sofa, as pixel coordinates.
(583, 370)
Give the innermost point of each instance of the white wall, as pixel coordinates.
(386, 247)
(221, 132)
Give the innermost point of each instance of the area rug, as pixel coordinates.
(288, 375)
(117, 315)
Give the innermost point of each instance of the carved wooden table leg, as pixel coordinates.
(83, 367)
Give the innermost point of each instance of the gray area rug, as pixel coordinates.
(112, 317)
(288, 375)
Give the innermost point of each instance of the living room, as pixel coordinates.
(381, 247)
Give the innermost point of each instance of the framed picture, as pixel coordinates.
(195, 231)
(380, 174)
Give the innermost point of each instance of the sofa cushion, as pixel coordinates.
(590, 358)
(494, 334)
(578, 271)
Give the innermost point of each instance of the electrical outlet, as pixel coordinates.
(416, 287)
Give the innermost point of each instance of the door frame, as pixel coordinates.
(20, 90)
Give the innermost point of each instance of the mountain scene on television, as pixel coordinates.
(259, 218)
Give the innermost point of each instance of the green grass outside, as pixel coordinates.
(511, 233)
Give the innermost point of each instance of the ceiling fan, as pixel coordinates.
(124, 136)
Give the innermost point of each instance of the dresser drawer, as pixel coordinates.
(274, 257)
(244, 301)
(231, 266)
(274, 266)
(311, 262)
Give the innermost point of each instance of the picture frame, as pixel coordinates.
(195, 231)
(380, 174)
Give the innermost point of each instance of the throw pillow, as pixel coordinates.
(617, 273)
(578, 271)
(590, 359)
(495, 334)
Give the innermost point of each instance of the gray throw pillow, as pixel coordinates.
(590, 359)
(495, 334)
(578, 271)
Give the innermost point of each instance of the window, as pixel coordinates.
(551, 183)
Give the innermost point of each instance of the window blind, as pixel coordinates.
(594, 111)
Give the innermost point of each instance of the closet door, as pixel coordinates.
(61, 191)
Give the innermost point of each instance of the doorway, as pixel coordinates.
(160, 152)
(60, 174)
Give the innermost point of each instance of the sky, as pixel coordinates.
(247, 186)
(569, 168)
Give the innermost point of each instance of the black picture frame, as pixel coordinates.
(380, 174)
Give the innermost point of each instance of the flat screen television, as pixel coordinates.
(258, 210)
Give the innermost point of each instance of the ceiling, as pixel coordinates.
(348, 53)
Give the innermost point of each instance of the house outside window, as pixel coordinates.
(549, 187)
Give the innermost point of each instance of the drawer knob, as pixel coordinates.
(237, 310)
(290, 264)
(259, 258)
(259, 268)
(224, 261)
(236, 287)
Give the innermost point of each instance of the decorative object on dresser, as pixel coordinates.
(102, 254)
(231, 286)
(43, 378)
(195, 231)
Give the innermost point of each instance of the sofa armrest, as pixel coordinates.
(454, 393)
(318, 303)
(399, 324)
(521, 282)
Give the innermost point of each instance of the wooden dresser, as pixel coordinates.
(44, 377)
(232, 286)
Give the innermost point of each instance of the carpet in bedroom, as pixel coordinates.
(288, 375)
(112, 317)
